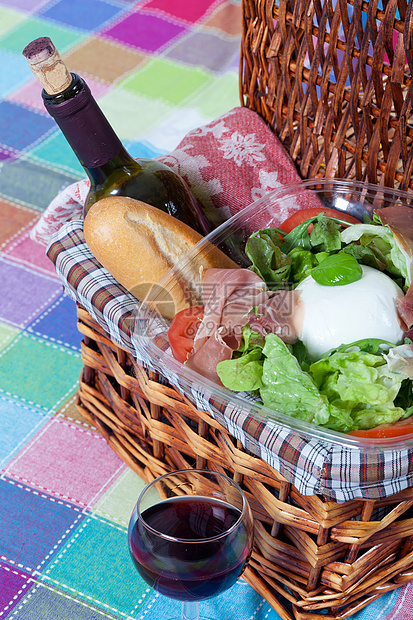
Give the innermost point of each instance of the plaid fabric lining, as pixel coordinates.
(313, 467)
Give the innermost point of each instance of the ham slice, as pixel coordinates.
(400, 221)
(230, 295)
(404, 307)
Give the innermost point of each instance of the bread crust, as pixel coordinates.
(140, 244)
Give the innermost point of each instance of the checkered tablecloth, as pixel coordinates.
(158, 68)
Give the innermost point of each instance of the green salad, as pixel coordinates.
(356, 385)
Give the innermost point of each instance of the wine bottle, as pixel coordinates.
(112, 171)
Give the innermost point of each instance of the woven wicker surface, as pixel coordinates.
(310, 554)
(333, 79)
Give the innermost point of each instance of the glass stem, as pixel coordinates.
(190, 611)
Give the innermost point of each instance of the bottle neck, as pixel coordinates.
(84, 126)
(121, 161)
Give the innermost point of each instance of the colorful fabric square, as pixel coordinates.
(143, 149)
(101, 549)
(58, 324)
(45, 602)
(164, 133)
(181, 9)
(7, 333)
(36, 517)
(118, 501)
(9, 19)
(26, 366)
(161, 79)
(63, 37)
(23, 250)
(18, 423)
(22, 134)
(104, 59)
(14, 220)
(13, 72)
(24, 5)
(148, 33)
(31, 184)
(91, 14)
(67, 461)
(14, 586)
(226, 18)
(205, 50)
(69, 412)
(150, 112)
(24, 294)
(29, 95)
(209, 102)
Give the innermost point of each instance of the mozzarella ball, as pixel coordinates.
(329, 316)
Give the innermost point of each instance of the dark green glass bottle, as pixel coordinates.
(112, 171)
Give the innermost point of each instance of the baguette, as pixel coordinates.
(140, 244)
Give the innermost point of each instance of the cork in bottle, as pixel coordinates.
(47, 65)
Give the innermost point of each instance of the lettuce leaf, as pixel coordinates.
(379, 240)
(351, 388)
(288, 389)
(268, 261)
(361, 384)
(325, 235)
(243, 373)
(302, 262)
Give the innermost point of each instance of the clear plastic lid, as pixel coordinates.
(151, 328)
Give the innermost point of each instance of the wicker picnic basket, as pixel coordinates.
(334, 82)
(333, 79)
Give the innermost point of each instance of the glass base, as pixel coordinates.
(190, 611)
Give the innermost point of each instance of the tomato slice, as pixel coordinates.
(182, 331)
(381, 432)
(301, 216)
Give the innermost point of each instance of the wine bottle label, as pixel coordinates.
(86, 128)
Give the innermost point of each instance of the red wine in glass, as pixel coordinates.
(195, 545)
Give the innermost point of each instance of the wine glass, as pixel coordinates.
(191, 535)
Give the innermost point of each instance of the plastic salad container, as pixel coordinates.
(315, 445)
